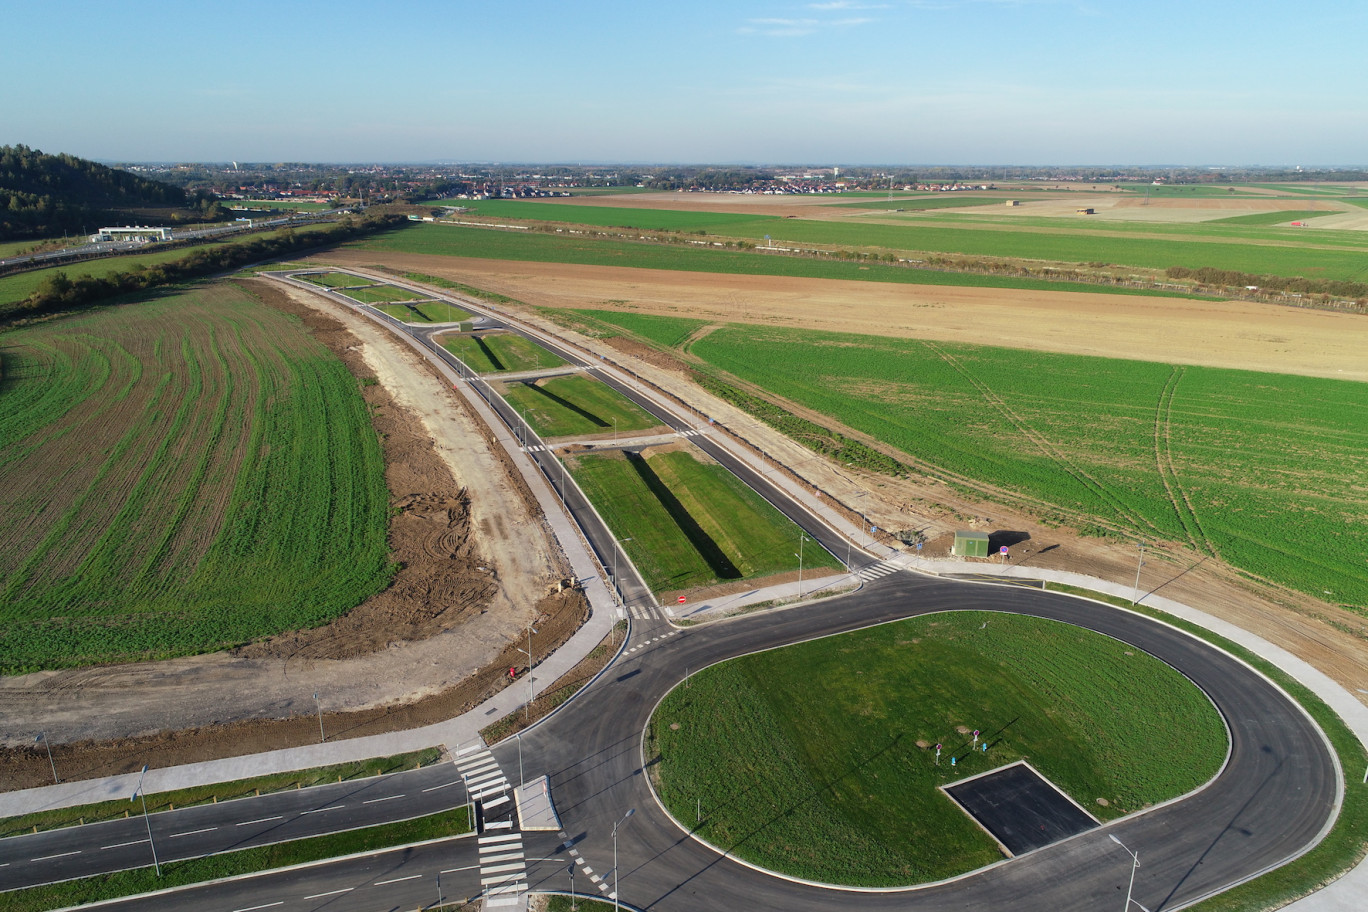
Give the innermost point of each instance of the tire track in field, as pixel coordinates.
(1168, 472)
(1042, 443)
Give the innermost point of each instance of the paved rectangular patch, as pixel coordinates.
(1020, 808)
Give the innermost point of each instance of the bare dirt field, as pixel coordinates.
(1231, 334)
(1238, 334)
(476, 566)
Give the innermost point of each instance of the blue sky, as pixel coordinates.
(1202, 82)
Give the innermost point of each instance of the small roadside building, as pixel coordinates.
(970, 544)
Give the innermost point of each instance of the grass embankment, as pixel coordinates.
(833, 782)
(234, 864)
(500, 352)
(335, 280)
(492, 297)
(1347, 842)
(180, 475)
(577, 405)
(691, 523)
(526, 246)
(1256, 469)
(221, 791)
(381, 294)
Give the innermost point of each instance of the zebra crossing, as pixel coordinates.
(503, 864)
(693, 432)
(876, 571)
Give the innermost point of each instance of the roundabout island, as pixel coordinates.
(923, 749)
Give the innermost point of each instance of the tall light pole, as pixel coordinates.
(799, 555)
(614, 430)
(42, 736)
(138, 793)
(1135, 857)
(1139, 562)
(629, 813)
(321, 737)
(617, 547)
(527, 712)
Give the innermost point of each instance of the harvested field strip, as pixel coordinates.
(460, 241)
(1268, 471)
(183, 475)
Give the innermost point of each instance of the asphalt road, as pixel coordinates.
(207, 829)
(1275, 795)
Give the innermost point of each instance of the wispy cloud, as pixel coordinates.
(834, 5)
(797, 28)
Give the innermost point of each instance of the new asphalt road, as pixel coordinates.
(1274, 796)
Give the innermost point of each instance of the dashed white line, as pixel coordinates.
(120, 845)
(265, 906)
(335, 807)
(378, 800)
(60, 855)
(466, 868)
(260, 820)
(442, 786)
(381, 883)
(192, 832)
(331, 893)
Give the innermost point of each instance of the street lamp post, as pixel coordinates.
(321, 737)
(799, 555)
(617, 547)
(1139, 562)
(1135, 858)
(138, 793)
(42, 736)
(629, 813)
(527, 712)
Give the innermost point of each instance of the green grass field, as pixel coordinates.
(179, 476)
(335, 279)
(1264, 471)
(692, 523)
(441, 312)
(379, 294)
(402, 312)
(818, 760)
(500, 352)
(927, 201)
(576, 405)
(615, 216)
(461, 241)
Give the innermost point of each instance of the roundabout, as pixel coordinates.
(1272, 800)
(880, 757)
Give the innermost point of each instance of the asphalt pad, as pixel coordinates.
(1020, 808)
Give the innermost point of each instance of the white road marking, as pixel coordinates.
(60, 855)
(454, 870)
(378, 800)
(120, 845)
(486, 840)
(192, 832)
(511, 856)
(254, 908)
(335, 807)
(444, 785)
(331, 893)
(261, 820)
(381, 883)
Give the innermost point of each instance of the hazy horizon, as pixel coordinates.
(954, 82)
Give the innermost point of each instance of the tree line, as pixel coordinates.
(59, 292)
(44, 195)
